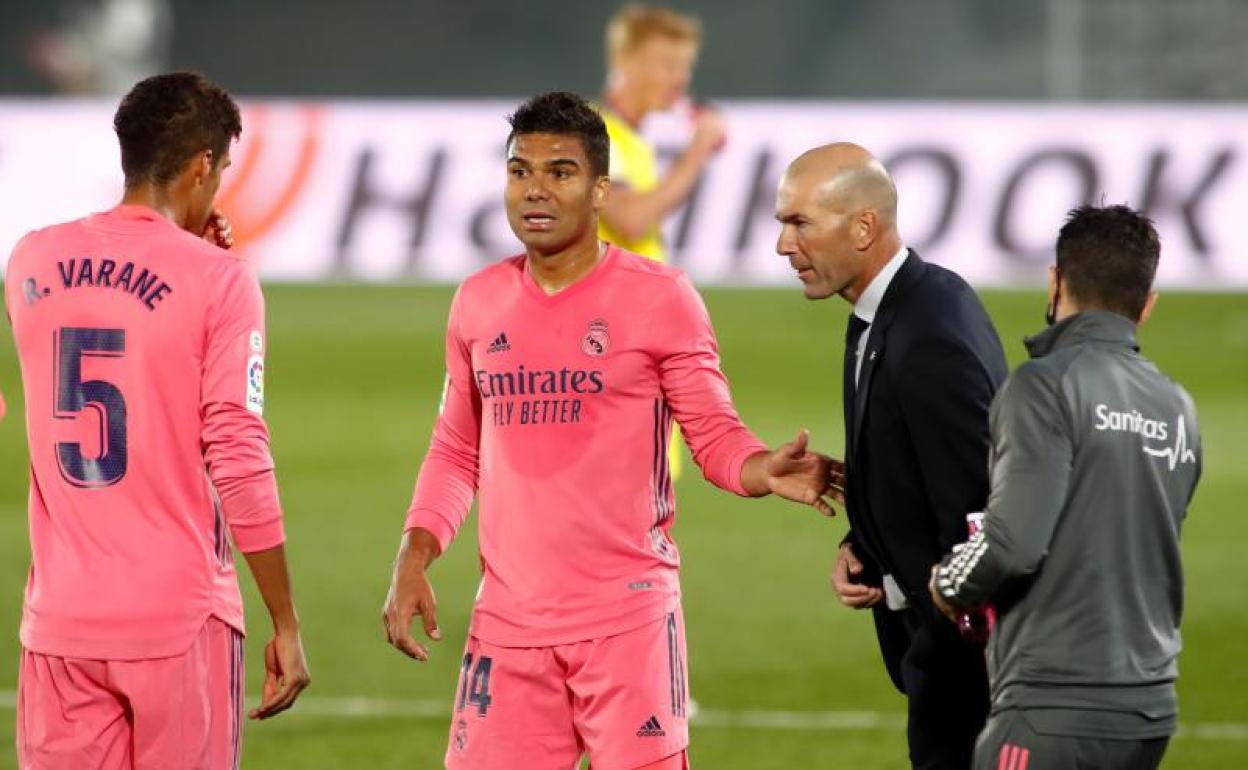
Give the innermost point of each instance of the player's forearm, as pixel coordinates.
(1031, 473)
(252, 510)
(269, 570)
(442, 498)
(728, 454)
(634, 213)
(1018, 528)
(447, 482)
(677, 185)
(235, 441)
(236, 454)
(418, 549)
(754, 477)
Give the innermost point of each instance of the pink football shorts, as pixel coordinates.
(179, 713)
(620, 699)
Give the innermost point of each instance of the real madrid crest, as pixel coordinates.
(596, 341)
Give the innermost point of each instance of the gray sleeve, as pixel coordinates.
(1031, 469)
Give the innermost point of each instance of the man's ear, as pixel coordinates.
(203, 164)
(866, 228)
(602, 190)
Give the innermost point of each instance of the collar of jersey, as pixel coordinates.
(1088, 326)
(133, 212)
(128, 218)
(581, 284)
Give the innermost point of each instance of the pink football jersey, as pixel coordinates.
(557, 412)
(142, 355)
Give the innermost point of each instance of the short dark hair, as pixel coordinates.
(1107, 258)
(166, 120)
(562, 112)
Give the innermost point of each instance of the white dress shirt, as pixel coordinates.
(869, 303)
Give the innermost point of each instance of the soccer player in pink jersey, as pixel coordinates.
(142, 346)
(566, 366)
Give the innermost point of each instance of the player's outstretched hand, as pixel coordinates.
(795, 473)
(285, 675)
(219, 232)
(410, 595)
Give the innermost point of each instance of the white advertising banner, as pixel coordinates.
(412, 191)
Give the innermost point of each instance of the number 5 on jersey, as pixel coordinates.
(73, 397)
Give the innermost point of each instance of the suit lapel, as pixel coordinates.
(873, 350)
(909, 274)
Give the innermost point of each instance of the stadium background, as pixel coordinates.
(1147, 93)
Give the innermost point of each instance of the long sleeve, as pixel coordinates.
(448, 477)
(1033, 453)
(697, 391)
(944, 398)
(234, 438)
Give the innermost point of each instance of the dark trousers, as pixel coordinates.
(1010, 742)
(945, 681)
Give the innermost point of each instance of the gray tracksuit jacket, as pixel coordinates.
(1095, 457)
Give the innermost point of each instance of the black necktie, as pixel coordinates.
(853, 335)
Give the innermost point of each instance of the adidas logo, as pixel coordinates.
(651, 729)
(500, 344)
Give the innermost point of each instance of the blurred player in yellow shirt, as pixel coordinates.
(651, 52)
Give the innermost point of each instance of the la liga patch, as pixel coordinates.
(255, 384)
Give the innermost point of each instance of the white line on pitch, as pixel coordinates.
(753, 719)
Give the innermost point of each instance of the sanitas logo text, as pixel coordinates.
(1131, 422)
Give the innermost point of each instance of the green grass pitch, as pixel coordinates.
(354, 376)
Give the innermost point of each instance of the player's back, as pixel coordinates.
(118, 319)
(1099, 622)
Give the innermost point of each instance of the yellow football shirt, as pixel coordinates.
(635, 167)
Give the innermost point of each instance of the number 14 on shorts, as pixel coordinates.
(475, 687)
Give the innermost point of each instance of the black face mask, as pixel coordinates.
(1050, 312)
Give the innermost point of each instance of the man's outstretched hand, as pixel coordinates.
(795, 473)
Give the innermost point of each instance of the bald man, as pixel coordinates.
(922, 363)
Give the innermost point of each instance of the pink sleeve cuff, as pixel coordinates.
(252, 511)
(251, 538)
(736, 461)
(424, 518)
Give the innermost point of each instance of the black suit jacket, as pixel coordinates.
(917, 427)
